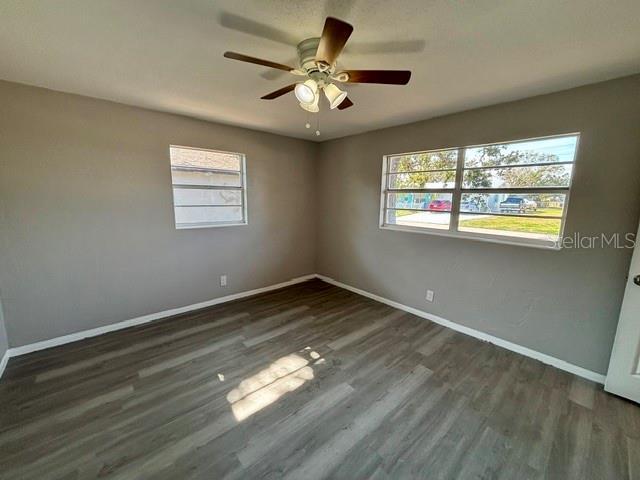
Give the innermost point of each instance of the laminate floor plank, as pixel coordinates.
(309, 381)
(136, 347)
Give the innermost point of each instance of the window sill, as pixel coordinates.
(210, 225)
(504, 240)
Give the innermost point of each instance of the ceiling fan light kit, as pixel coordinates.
(307, 91)
(311, 107)
(317, 60)
(334, 95)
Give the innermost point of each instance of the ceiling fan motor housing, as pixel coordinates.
(307, 53)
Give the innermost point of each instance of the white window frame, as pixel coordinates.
(458, 190)
(242, 187)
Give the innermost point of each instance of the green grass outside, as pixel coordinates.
(515, 224)
(546, 226)
(550, 212)
(402, 213)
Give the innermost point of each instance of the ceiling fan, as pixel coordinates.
(317, 59)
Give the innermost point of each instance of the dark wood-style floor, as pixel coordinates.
(306, 382)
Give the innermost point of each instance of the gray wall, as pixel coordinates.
(87, 236)
(564, 303)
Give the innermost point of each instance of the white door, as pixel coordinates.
(623, 377)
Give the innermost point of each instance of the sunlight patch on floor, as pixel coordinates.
(265, 387)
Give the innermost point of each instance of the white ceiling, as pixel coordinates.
(167, 54)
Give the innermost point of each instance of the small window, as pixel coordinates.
(515, 192)
(209, 187)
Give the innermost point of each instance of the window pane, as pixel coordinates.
(519, 177)
(517, 227)
(440, 160)
(410, 218)
(534, 204)
(546, 150)
(437, 202)
(189, 177)
(203, 159)
(207, 215)
(197, 196)
(422, 180)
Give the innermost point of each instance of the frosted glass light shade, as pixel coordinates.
(306, 92)
(311, 107)
(334, 95)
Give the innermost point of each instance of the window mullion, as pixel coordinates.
(457, 192)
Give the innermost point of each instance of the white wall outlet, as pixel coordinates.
(223, 280)
(429, 296)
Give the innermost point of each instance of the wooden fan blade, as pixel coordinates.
(334, 36)
(389, 77)
(257, 61)
(346, 103)
(280, 92)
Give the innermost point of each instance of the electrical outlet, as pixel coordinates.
(223, 280)
(429, 296)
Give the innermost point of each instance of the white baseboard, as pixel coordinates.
(3, 362)
(74, 337)
(514, 347)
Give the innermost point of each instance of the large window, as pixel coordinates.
(209, 187)
(514, 192)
